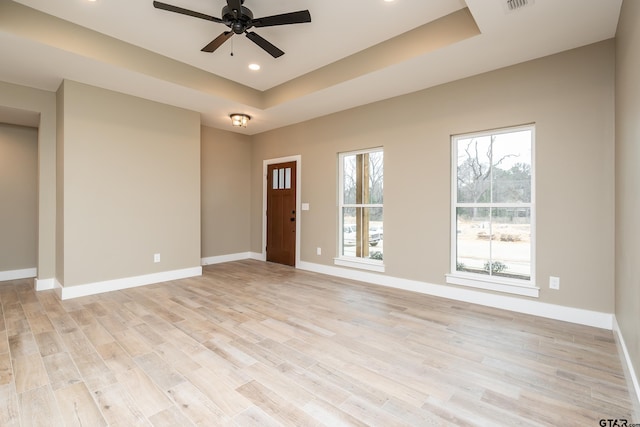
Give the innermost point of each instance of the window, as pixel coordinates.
(281, 179)
(360, 230)
(493, 210)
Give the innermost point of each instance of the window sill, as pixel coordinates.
(515, 287)
(362, 264)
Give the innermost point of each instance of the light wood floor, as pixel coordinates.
(252, 343)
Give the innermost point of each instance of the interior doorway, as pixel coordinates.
(19, 193)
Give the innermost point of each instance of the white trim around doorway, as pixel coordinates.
(265, 164)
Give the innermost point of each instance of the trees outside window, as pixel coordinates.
(361, 211)
(493, 204)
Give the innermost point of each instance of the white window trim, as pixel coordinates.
(362, 263)
(347, 261)
(486, 282)
(493, 283)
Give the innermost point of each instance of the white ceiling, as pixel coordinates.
(339, 29)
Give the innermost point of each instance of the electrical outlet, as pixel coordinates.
(554, 282)
(318, 251)
(156, 257)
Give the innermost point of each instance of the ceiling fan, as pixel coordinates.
(240, 19)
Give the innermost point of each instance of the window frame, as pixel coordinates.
(491, 282)
(353, 261)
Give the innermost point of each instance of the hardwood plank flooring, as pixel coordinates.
(253, 343)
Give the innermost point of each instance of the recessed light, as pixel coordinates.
(254, 67)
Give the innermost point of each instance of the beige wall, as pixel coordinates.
(19, 195)
(44, 104)
(125, 163)
(131, 184)
(570, 97)
(226, 172)
(60, 185)
(628, 178)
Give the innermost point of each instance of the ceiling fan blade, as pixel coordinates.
(235, 5)
(299, 17)
(217, 42)
(176, 9)
(264, 44)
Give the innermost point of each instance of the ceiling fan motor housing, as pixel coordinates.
(239, 25)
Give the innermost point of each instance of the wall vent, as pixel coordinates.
(513, 5)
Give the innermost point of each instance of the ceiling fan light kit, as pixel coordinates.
(240, 19)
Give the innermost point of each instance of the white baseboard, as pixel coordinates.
(536, 308)
(25, 273)
(630, 372)
(45, 284)
(69, 292)
(57, 286)
(225, 258)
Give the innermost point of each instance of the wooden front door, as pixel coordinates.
(281, 213)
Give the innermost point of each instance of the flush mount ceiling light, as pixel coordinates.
(239, 120)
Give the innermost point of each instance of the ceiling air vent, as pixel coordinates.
(513, 5)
